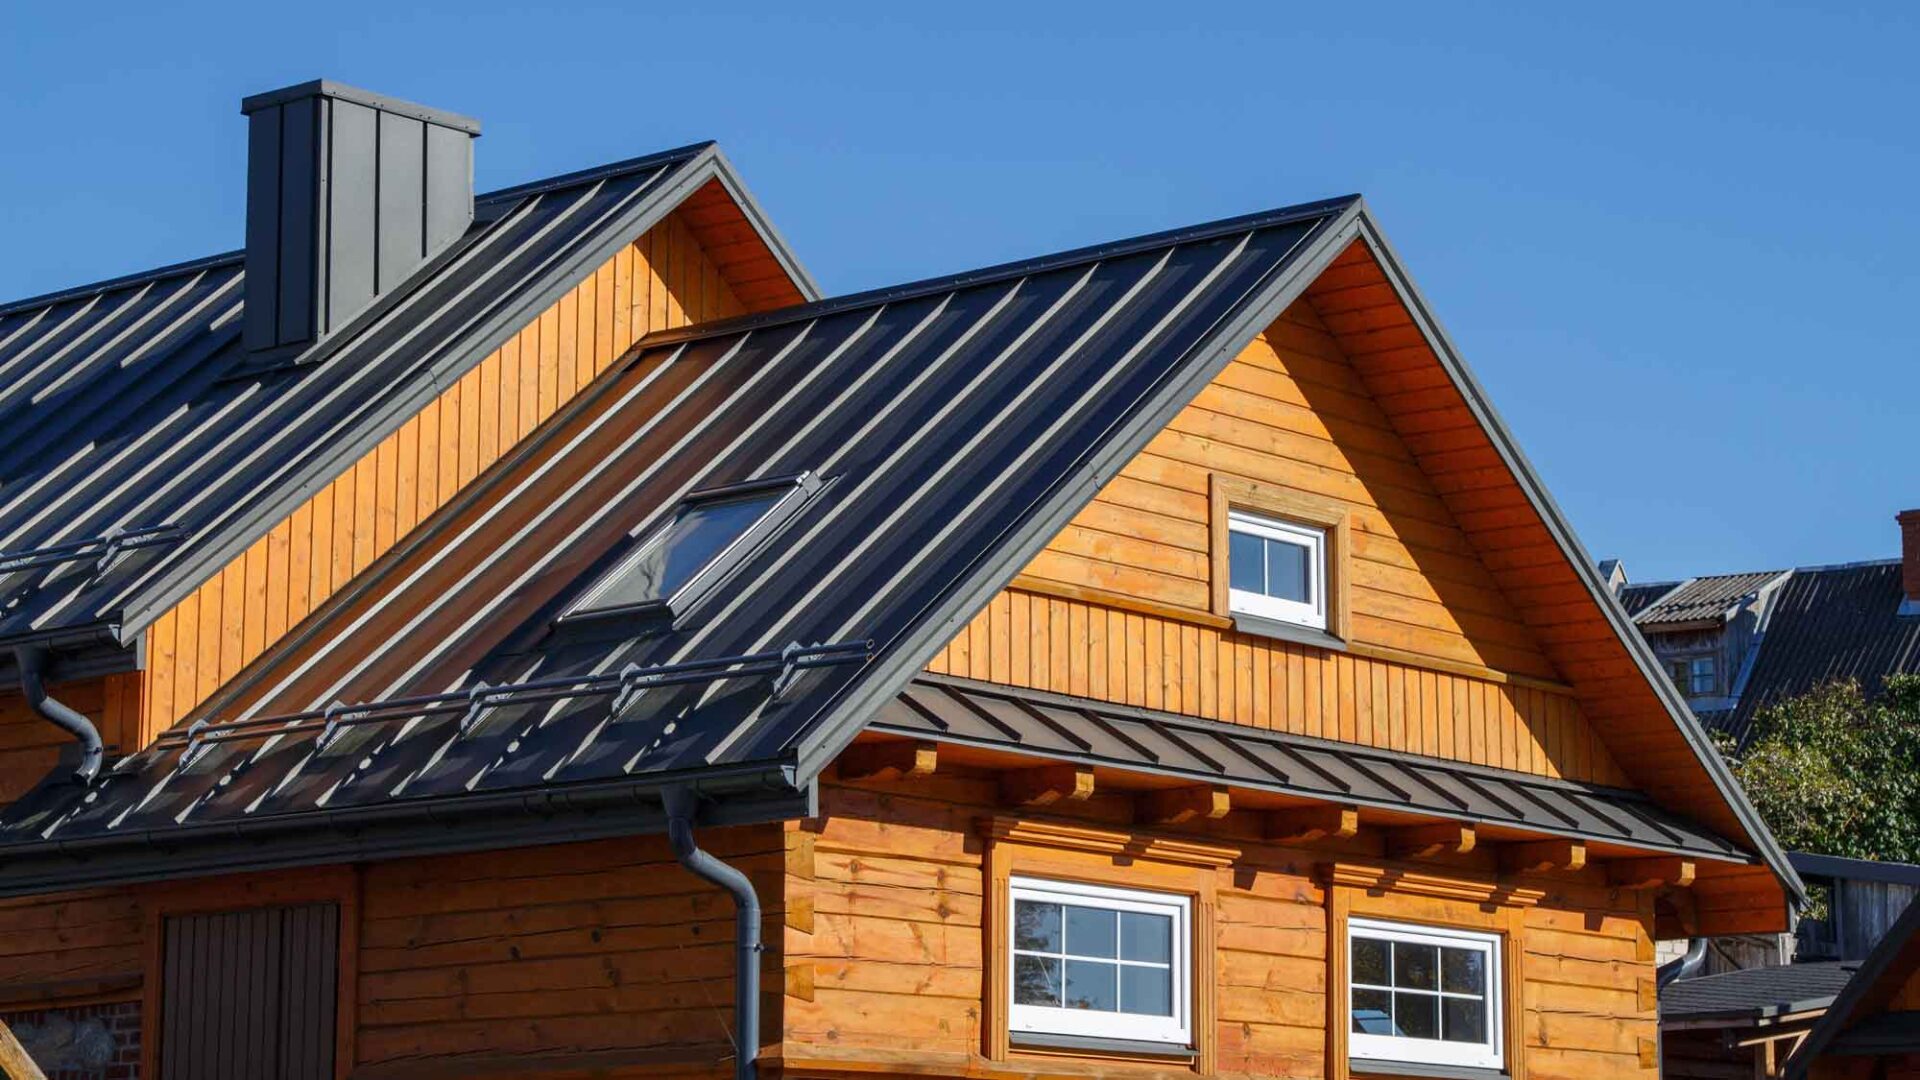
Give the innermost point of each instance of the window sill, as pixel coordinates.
(1425, 1070)
(1285, 631)
(1131, 1048)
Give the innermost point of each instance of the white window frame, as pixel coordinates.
(1312, 537)
(1175, 1030)
(1490, 1054)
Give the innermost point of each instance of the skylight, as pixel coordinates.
(709, 533)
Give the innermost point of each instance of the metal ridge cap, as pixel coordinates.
(987, 275)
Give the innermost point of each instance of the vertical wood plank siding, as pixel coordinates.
(249, 994)
(1289, 412)
(663, 280)
(896, 947)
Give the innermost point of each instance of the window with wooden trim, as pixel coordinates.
(1423, 994)
(1279, 561)
(1102, 963)
(1694, 676)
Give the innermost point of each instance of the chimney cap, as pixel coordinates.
(329, 88)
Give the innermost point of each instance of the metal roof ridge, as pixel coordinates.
(1860, 564)
(986, 275)
(207, 262)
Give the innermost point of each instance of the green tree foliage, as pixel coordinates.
(1836, 773)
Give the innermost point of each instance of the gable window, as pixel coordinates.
(706, 536)
(1422, 994)
(1695, 676)
(1277, 569)
(1096, 962)
(1278, 561)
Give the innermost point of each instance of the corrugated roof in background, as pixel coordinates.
(1639, 596)
(129, 408)
(1702, 598)
(1145, 740)
(1829, 624)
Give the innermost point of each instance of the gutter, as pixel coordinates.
(681, 804)
(32, 662)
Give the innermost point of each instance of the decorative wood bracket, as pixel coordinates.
(1178, 806)
(1426, 841)
(1383, 879)
(1307, 824)
(1075, 837)
(1539, 856)
(894, 759)
(1656, 873)
(1047, 785)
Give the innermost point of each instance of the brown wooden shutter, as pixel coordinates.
(250, 994)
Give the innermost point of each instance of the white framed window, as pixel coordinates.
(1100, 962)
(1423, 994)
(1277, 570)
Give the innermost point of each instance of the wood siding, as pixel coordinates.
(1118, 606)
(31, 745)
(896, 952)
(663, 280)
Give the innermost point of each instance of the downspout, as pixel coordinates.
(32, 661)
(681, 803)
(1684, 968)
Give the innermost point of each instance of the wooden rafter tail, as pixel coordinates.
(1667, 871)
(894, 759)
(1426, 841)
(1178, 806)
(1306, 824)
(1541, 856)
(1047, 785)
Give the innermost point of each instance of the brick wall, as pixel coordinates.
(86, 1042)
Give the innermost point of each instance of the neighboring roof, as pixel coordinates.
(1856, 1015)
(957, 426)
(131, 406)
(1755, 993)
(1639, 596)
(1063, 728)
(1702, 598)
(1833, 866)
(1828, 624)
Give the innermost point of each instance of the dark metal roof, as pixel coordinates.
(1143, 740)
(1702, 598)
(956, 426)
(1829, 624)
(1639, 596)
(132, 406)
(1755, 993)
(1883, 972)
(1835, 866)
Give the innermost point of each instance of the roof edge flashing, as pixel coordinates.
(267, 99)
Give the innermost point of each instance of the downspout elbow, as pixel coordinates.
(32, 662)
(681, 803)
(1685, 967)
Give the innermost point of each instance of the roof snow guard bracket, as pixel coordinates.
(783, 667)
(103, 549)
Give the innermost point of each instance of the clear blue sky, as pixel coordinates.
(1675, 241)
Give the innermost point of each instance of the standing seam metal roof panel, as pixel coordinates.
(132, 405)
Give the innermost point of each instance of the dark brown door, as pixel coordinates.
(250, 994)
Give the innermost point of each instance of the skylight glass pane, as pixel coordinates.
(698, 534)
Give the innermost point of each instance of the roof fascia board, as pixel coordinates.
(442, 826)
(1583, 566)
(1840, 1014)
(899, 662)
(207, 554)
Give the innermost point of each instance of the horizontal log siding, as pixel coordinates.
(1288, 412)
(599, 948)
(661, 281)
(897, 947)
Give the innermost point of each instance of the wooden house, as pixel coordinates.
(1151, 660)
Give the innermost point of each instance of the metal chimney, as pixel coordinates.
(348, 194)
